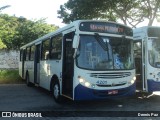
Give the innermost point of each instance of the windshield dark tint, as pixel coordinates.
(104, 53)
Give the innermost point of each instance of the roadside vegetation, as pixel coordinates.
(10, 77)
(16, 32)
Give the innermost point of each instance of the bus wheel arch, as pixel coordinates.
(53, 79)
(27, 79)
(55, 89)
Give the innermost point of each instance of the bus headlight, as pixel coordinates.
(85, 83)
(134, 78)
(81, 80)
(132, 81)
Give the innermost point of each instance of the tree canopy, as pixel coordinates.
(4, 7)
(130, 12)
(17, 31)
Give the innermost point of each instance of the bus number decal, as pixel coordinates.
(101, 82)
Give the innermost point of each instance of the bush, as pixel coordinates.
(10, 77)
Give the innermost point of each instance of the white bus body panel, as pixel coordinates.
(151, 75)
(20, 68)
(29, 65)
(47, 70)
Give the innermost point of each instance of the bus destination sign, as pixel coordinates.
(105, 27)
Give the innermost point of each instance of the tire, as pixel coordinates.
(55, 89)
(28, 83)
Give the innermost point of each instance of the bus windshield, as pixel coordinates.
(154, 51)
(104, 53)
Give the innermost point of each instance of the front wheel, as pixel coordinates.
(56, 92)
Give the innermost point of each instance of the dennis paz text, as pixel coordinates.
(147, 114)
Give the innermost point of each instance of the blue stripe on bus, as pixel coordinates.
(84, 93)
(153, 85)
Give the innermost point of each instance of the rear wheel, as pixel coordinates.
(27, 80)
(56, 91)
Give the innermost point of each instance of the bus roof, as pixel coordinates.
(73, 25)
(141, 32)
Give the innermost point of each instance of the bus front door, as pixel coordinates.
(23, 60)
(68, 66)
(37, 64)
(139, 60)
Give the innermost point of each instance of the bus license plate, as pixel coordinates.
(112, 92)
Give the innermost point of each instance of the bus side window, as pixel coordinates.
(45, 49)
(21, 55)
(28, 49)
(56, 48)
(32, 52)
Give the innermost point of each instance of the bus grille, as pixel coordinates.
(110, 75)
(111, 85)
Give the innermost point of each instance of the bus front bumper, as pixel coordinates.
(84, 93)
(153, 85)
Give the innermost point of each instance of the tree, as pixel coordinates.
(4, 7)
(85, 9)
(28, 31)
(2, 45)
(7, 28)
(15, 32)
(151, 9)
(130, 12)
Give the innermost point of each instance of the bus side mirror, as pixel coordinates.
(75, 41)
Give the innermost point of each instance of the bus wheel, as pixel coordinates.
(56, 92)
(27, 80)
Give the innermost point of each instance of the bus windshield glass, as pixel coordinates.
(154, 51)
(104, 53)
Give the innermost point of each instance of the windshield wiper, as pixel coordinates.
(103, 44)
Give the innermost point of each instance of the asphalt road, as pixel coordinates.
(19, 98)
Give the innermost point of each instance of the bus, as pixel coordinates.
(147, 58)
(85, 60)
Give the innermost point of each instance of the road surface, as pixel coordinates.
(20, 98)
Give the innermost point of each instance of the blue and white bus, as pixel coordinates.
(83, 61)
(147, 58)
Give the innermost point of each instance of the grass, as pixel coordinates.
(10, 77)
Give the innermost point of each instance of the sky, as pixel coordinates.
(37, 9)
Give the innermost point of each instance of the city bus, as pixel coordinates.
(85, 60)
(147, 58)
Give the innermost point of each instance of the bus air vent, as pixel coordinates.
(110, 75)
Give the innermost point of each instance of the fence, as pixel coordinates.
(9, 59)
